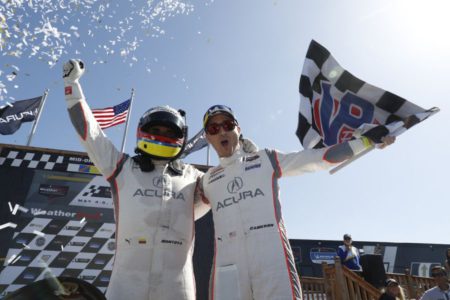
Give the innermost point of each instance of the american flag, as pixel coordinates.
(112, 116)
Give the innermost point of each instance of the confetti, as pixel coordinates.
(38, 233)
(9, 224)
(18, 207)
(13, 259)
(48, 30)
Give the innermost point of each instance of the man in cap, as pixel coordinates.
(349, 254)
(392, 290)
(153, 195)
(442, 289)
(253, 258)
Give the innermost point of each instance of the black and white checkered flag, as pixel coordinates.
(335, 106)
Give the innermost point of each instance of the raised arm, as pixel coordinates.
(99, 148)
(319, 159)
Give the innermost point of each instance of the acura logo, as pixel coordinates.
(235, 185)
(159, 181)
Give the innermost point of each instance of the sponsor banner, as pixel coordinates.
(97, 193)
(65, 248)
(321, 254)
(13, 115)
(42, 160)
(422, 269)
(53, 191)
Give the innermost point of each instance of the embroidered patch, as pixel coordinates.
(68, 90)
(216, 171)
(251, 158)
(216, 178)
(253, 167)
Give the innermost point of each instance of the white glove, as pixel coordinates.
(72, 71)
(248, 146)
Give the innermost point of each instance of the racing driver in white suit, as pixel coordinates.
(153, 197)
(253, 258)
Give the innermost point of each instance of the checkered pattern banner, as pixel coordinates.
(334, 103)
(63, 247)
(45, 161)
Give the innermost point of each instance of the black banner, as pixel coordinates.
(12, 116)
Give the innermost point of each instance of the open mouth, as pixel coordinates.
(224, 143)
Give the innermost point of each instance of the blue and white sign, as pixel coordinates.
(320, 255)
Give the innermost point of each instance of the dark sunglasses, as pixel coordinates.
(437, 274)
(214, 128)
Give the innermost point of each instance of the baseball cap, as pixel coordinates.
(347, 236)
(215, 110)
(390, 281)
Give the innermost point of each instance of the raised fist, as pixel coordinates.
(73, 69)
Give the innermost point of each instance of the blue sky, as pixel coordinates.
(249, 55)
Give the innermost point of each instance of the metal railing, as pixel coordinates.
(340, 283)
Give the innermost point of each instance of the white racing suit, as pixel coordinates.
(253, 258)
(154, 214)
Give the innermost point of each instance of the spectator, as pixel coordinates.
(349, 254)
(447, 262)
(392, 291)
(442, 289)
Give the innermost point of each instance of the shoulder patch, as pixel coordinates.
(251, 158)
(216, 170)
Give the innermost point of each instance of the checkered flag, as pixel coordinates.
(98, 191)
(335, 106)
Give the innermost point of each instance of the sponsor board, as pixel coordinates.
(321, 254)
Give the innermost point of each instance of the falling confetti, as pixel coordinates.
(18, 207)
(6, 225)
(13, 259)
(36, 232)
(46, 30)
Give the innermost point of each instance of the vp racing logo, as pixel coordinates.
(337, 118)
(234, 187)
